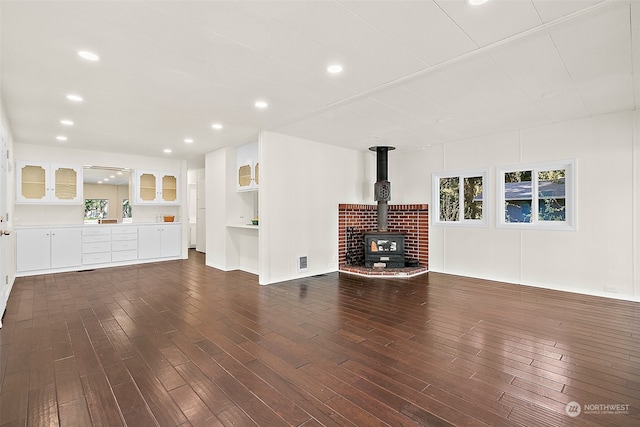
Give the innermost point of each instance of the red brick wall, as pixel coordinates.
(354, 220)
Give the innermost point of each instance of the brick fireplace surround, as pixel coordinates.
(355, 220)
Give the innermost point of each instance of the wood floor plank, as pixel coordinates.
(157, 398)
(43, 407)
(103, 408)
(178, 343)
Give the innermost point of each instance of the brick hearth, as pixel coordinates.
(354, 220)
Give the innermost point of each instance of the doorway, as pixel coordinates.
(4, 217)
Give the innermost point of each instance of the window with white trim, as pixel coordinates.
(537, 196)
(460, 198)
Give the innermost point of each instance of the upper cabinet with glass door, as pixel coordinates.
(155, 187)
(248, 167)
(52, 183)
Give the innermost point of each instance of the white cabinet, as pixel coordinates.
(248, 167)
(96, 245)
(42, 249)
(103, 245)
(38, 182)
(53, 249)
(156, 187)
(124, 243)
(159, 241)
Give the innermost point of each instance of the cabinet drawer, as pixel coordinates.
(124, 255)
(121, 237)
(96, 231)
(124, 245)
(124, 230)
(97, 238)
(92, 248)
(99, 258)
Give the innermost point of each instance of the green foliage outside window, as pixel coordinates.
(450, 199)
(95, 209)
(126, 208)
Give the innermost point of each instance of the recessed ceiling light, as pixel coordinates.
(73, 97)
(218, 126)
(112, 176)
(334, 69)
(99, 182)
(66, 122)
(105, 179)
(89, 56)
(261, 104)
(188, 140)
(476, 2)
(167, 150)
(61, 138)
(118, 173)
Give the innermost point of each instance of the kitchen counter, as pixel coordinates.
(119, 224)
(246, 226)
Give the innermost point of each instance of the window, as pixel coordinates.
(126, 209)
(540, 196)
(460, 198)
(95, 209)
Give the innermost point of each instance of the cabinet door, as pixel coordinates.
(32, 181)
(44, 183)
(66, 247)
(170, 241)
(33, 250)
(149, 239)
(66, 184)
(169, 188)
(245, 182)
(157, 187)
(248, 168)
(159, 241)
(147, 188)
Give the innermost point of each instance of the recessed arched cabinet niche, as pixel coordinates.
(39, 182)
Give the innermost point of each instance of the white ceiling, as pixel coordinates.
(416, 72)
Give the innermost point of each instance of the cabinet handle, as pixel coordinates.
(5, 233)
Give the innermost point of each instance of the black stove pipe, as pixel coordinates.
(382, 163)
(382, 187)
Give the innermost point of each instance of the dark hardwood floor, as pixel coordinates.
(179, 344)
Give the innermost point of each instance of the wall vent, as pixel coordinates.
(303, 264)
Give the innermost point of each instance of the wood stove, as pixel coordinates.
(383, 249)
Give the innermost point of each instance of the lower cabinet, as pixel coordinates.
(43, 249)
(159, 241)
(124, 243)
(54, 249)
(96, 245)
(102, 245)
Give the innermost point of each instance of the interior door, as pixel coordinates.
(4, 177)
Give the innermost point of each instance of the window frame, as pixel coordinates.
(570, 196)
(461, 175)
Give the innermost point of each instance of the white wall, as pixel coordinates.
(602, 252)
(217, 188)
(302, 183)
(201, 216)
